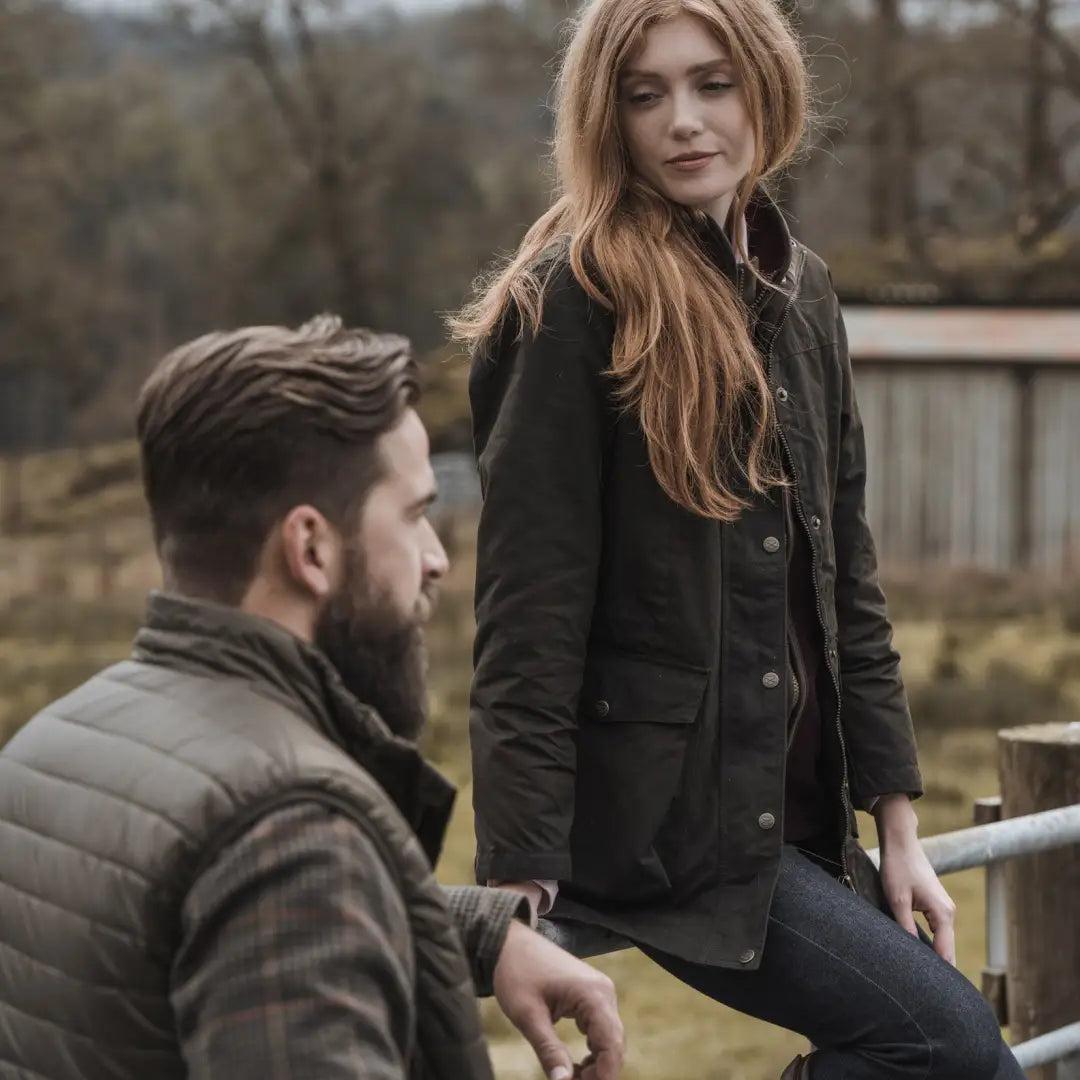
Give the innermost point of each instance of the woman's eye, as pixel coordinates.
(716, 87)
(642, 97)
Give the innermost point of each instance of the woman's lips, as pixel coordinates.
(690, 164)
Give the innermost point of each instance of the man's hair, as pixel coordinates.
(237, 428)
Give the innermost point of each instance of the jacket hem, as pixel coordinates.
(513, 866)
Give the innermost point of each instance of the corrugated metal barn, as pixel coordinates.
(972, 423)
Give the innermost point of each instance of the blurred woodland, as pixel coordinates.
(218, 162)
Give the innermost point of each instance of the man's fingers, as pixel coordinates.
(537, 983)
(599, 1022)
(552, 1054)
(605, 1066)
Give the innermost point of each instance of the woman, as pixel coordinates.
(685, 681)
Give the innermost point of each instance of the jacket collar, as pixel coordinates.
(769, 242)
(215, 640)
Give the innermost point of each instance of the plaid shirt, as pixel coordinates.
(296, 959)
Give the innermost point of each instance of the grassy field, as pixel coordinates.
(980, 653)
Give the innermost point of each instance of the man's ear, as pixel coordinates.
(312, 550)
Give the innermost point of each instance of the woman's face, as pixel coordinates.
(684, 118)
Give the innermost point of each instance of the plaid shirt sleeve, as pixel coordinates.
(483, 917)
(296, 956)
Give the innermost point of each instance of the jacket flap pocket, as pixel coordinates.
(620, 687)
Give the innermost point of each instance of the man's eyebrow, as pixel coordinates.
(425, 500)
(694, 69)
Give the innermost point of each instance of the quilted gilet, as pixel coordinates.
(113, 798)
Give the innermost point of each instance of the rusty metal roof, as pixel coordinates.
(996, 335)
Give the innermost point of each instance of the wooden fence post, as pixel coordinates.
(1040, 770)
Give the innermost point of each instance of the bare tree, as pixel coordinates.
(302, 83)
(1048, 195)
(895, 136)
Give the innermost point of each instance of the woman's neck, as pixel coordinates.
(720, 211)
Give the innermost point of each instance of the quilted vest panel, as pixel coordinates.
(110, 801)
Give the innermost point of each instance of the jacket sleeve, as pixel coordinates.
(874, 711)
(539, 430)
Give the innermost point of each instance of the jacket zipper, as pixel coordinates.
(798, 678)
(845, 875)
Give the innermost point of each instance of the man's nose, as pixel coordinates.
(436, 562)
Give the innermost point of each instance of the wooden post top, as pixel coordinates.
(987, 809)
(1067, 734)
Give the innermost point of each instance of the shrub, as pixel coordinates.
(1007, 697)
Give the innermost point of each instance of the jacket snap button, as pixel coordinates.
(770, 680)
(766, 821)
(781, 395)
(746, 956)
(771, 544)
(815, 521)
(602, 708)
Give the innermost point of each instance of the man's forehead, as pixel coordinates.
(405, 451)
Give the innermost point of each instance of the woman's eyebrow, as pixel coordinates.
(694, 69)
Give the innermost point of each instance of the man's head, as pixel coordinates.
(287, 474)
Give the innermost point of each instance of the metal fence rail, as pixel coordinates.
(1053, 1046)
(983, 845)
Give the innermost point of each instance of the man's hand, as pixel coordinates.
(537, 984)
(908, 878)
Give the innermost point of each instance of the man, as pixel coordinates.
(215, 858)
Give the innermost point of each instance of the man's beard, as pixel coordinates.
(378, 652)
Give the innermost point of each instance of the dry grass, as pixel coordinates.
(72, 586)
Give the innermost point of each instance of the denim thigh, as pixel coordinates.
(874, 1000)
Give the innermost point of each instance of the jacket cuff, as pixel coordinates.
(496, 865)
(866, 790)
(550, 889)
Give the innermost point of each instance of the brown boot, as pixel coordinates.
(799, 1069)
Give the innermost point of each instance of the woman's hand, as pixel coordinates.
(908, 878)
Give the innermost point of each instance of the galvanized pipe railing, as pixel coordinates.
(983, 845)
(1059, 1046)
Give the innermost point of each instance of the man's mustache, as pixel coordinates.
(429, 592)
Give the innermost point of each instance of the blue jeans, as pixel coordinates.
(875, 1001)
